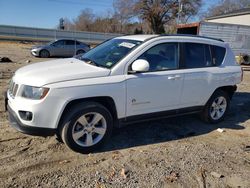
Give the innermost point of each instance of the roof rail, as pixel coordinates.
(196, 36)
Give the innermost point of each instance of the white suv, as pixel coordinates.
(123, 80)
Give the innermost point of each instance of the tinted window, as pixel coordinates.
(162, 57)
(70, 42)
(197, 55)
(58, 43)
(77, 43)
(218, 54)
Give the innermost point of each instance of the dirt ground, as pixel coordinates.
(176, 152)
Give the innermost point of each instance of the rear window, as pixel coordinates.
(218, 55)
(197, 55)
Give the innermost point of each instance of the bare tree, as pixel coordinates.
(226, 6)
(68, 24)
(125, 8)
(123, 12)
(189, 9)
(85, 20)
(136, 16)
(157, 13)
(106, 25)
(117, 22)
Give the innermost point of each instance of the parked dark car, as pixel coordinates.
(62, 48)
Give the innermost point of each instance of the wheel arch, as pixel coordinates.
(106, 101)
(44, 49)
(80, 49)
(228, 89)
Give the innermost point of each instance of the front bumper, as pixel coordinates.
(36, 131)
(18, 125)
(35, 53)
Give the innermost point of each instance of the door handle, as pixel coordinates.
(171, 77)
(177, 77)
(174, 77)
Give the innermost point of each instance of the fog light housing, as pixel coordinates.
(25, 115)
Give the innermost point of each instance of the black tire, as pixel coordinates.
(80, 52)
(71, 122)
(44, 54)
(207, 114)
(58, 137)
(246, 59)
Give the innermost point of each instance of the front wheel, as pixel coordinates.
(216, 108)
(44, 54)
(87, 127)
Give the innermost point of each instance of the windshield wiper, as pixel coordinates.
(89, 61)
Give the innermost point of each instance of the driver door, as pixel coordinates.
(58, 49)
(159, 89)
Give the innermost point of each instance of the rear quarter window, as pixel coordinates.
(218, 54)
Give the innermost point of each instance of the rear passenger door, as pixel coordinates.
(200, 73)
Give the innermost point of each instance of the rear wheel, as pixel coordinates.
(86, 127)
(44, 54)
(80, 52)
(216, 108)
(246, 60)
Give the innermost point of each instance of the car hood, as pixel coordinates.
(39, 46)
(39, 74)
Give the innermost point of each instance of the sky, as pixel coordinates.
(46, 13)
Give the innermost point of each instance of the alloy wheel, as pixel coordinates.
(89, 129)
(218, 108)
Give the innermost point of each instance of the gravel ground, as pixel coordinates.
(176, 152)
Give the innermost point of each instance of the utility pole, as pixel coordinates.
(179, 11)
(75, 37)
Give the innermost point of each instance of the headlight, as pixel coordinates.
(36, 93)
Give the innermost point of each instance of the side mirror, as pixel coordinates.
(140, 65)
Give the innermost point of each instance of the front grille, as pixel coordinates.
(13, 88)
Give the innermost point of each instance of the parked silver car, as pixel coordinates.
(62, 47)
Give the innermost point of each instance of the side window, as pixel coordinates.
(77, 43)
(197, 55)
(218, 55)
(69, 42)
(59, 43)
(162, 57)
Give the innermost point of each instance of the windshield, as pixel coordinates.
(109, 53)
(51, 42)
